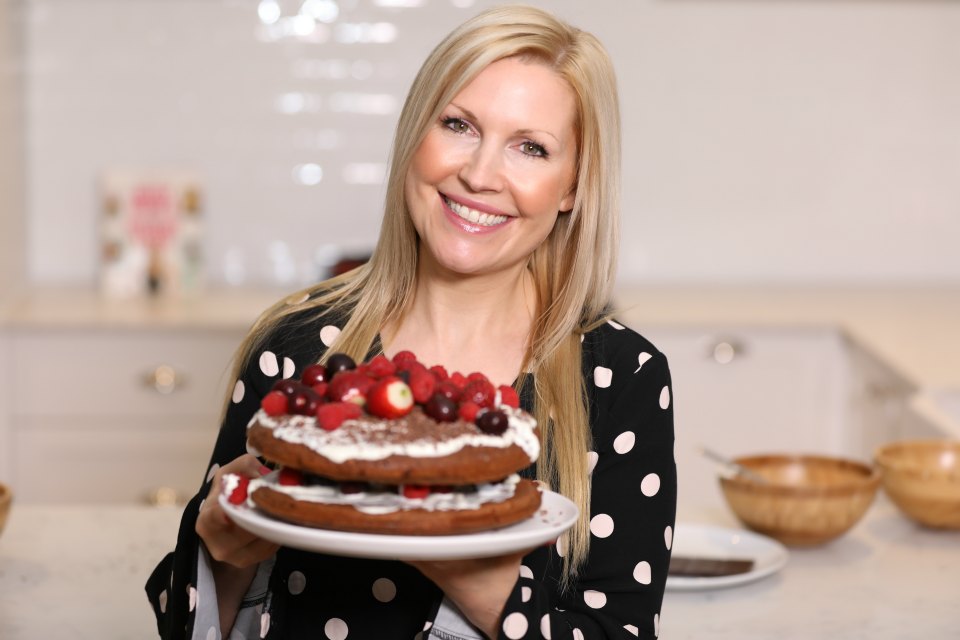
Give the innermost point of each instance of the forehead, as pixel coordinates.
(524, 94)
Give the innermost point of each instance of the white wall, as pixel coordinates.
(788, 141)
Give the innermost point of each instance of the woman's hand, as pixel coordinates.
(235, 551)
(479, 587)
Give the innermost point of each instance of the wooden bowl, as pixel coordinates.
(807, 500)
(922, 477)
(6, 498)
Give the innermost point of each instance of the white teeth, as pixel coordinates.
(474, 216)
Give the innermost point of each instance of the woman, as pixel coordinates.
(496, 254)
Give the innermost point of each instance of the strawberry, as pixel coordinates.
(349, 386)
(290, 477)
(480, 392)
(275, 403)
(239, 493)
(390, 397)
(333, 414)
(415, 491)
(468, 411)
(381, 367)
(440, 372)
(422, 383)
(508, 396)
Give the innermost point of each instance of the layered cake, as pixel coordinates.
(391, 446)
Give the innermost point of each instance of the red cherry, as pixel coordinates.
(416, 491)
(441, 408)
(314, 374)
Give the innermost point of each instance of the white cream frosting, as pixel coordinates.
(357, 440)
(380, 502)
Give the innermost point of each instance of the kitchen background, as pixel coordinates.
(772, 142)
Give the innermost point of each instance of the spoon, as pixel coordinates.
(732, 466)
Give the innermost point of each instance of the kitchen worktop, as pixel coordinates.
(77, 572)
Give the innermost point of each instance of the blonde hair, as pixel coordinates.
(573, 269)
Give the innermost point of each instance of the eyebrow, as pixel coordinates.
(523, 132)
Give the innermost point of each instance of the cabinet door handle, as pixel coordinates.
(164, 379)
(726, 350)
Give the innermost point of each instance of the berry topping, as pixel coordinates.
(353, 487)
(468, 411)
(440, 372)
(349, 386)
(441, 408)
(274, 403)
(415, 491)
(493, 422)
(304, 402)
(321, 389)
(480, 392)
(381, 367)
(333, 414)
(239, 493)
(339, 362)
(390, 397)
(314, 374)
(422, 383)
(288, 386)
(476, 375)
(403, 357)
(290, 477)
(508, 396)
(449, 390)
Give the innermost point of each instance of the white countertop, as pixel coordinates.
(75, 572)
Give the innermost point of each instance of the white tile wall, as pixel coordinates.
(765, 141)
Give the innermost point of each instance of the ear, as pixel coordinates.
(566, 204)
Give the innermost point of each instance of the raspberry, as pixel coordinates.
(476, 375)
(333, 414)
(423, 384)
(274, 403)
(458, 380)
(480, 392)
(508, 396)
(381, 367)
(239, 493)
(449, 390)
(468, 411)
(290, 477)
(440, 372)
(403, 357)
(415, 491)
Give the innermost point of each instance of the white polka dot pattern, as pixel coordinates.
(650, 485)
(642, 572)
(335, 629)
(577, 634)
(615, 325)
(239, 390)
(668, 536)
(268, 363)
(601, 525)
(515, 625)
(632, 629)
(213, 471)
(264, 624)
(602, 377)
(562, 546)
(192, 596)
(298, 299)
(592, 458)
(296, 583)
(329, 335)
(525, 572)
(163, 601)
(642, 360)
(595, 599)
(545, 626)
(656, 624)
(289, 368)
(525, 594)
(384, 590)
(624, 442)
(665, 398)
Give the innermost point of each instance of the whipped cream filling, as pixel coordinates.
(380, 502)
(370, 438)
(474, 216)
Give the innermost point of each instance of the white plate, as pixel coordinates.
(555, 515)
(706, 541)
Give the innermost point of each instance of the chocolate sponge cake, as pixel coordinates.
(391, 446)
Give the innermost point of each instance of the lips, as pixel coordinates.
(479, 218)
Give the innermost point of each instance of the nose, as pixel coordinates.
(482, 170)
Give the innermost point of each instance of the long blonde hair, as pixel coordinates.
(573, 269)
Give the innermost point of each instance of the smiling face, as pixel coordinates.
(488, 181)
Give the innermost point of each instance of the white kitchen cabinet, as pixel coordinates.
(111, 415)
